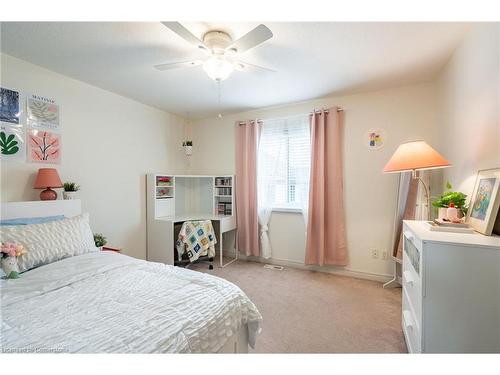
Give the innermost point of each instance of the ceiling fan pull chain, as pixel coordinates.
(219, 94)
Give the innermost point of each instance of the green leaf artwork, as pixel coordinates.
(43, 114)
(8, 144)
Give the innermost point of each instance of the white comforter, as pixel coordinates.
(106, 302)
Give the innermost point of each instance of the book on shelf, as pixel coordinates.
(224, 191)
(223, 181)
(224, 208)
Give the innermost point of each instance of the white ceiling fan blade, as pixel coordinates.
(185, 34)
(251, 39)
(244, 66)
(176, 65)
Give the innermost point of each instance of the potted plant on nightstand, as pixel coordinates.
(443, 202)
(70, 189)
(100, 240)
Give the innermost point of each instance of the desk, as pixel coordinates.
(174, 199)
(162, 250)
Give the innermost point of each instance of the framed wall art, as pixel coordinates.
(485, 200)
(9, 106)
(375, 139)
(12, 143)
(44, 146)
(43, 112)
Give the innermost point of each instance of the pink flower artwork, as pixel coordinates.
(44, 147)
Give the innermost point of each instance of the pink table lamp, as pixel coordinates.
(416, 156)
(47, 178)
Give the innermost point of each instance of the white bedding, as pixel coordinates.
(106, 302)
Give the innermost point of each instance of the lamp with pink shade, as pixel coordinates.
(47, 178)
(416, 156)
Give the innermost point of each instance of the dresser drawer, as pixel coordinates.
(412, 250)
(411, 327)
(412, 289)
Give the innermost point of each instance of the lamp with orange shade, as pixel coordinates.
(47, 178)
(416, 156)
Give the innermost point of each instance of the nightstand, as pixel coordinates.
(109, 248)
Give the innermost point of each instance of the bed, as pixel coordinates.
(105, 302)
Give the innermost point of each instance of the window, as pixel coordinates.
(284, 159)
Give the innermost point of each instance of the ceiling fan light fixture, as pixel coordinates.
(218, 68)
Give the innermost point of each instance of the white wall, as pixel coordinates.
(109, 143)
(469, 90)
(406, 113)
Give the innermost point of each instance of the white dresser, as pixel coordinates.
(451, 291)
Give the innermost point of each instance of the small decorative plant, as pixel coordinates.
(458, 198)
(188, 147)
(70, 189)
(71, 186)
(100, 240)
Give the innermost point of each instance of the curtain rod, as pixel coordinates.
(279, 118)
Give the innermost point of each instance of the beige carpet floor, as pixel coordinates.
(315, 312)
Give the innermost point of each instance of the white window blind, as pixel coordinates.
(284, 160)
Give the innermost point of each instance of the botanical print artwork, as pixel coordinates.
(9, 106)
(12, 143)
(483, 198)
(43, 112)
(44, 147)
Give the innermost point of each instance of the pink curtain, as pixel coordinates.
(247, 136)
(326, 239)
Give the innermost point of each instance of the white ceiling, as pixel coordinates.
(312, 59)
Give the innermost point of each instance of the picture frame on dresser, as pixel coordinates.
(485, 201)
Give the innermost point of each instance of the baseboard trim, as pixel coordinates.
(381, 278)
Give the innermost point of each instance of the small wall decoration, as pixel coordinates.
(12, 143)
(44, 146)
(375, 139)
(485, 200)
(9, 106)
(43, 112)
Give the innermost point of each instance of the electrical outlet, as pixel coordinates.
(375, 254)
(384, 255)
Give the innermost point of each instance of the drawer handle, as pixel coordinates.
(408, 278)
(407, 320)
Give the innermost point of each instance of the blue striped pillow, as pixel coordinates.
(31, 220)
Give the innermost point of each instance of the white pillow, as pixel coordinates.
(50, 242)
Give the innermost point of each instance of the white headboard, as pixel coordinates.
(15, 210)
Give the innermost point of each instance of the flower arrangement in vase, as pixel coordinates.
(8, 253)
(70, 189)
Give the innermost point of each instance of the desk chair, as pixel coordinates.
(194, 239)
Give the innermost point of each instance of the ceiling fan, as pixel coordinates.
(222, 53)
